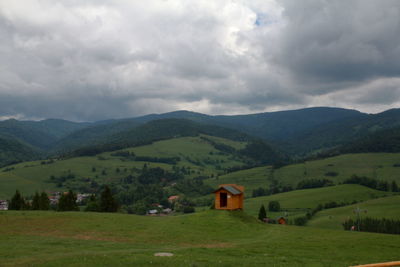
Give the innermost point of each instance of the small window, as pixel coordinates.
(223, 200)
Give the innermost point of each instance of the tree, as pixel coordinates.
(274, 206)
(67, 202)
(17, 202)
(395, 187)
(262, 214)
(92, 204)
(44, 201)
(107, 201)
(36, 201)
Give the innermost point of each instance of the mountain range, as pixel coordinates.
(297, 133)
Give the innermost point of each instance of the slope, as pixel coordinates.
(39, 134)
(387, 207)
(196, 155)
(211, 238)
(13, 151)
(299, 201)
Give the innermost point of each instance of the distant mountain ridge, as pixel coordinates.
(297, 132)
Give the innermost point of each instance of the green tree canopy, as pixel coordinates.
(107, 201)
(262, 214)
(67, 202)
(274, 206)
(44, 201)
(17, 202)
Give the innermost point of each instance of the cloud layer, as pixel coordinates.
(91, 60)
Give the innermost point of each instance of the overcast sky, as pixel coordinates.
(94, 59)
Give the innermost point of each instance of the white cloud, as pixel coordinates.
(102, 59)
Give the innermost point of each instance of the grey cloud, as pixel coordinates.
(109, 59)
(341, 40)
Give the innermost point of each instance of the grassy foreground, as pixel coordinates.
(211, 238)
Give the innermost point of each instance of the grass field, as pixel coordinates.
(212, 238)
(250, 179)
(388, 207)
(310, 198)
(373, 165)
(195, 153)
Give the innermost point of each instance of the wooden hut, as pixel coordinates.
(229, 197)
(281, 220)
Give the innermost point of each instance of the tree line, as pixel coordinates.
(66, 202)
(367, 224)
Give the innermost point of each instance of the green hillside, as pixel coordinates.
(212, 238)
(381, 166)
(251, 178)
(13, 151)
(311, 198)
(373, 165)
(388, 207)
(196, 155)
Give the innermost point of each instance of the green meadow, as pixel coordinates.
(311, 198)
(373, 165)
(211, 238)
(387, 207)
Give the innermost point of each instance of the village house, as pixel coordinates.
(229, 197)
(172, 199)
(3, 205)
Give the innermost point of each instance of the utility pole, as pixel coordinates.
(357, 211)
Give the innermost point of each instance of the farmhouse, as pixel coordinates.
(172, 199)
(3, 205)
(229, 197)
(281, 220)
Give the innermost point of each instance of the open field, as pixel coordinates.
(373, 165)
(310, 198)
(388, 207)
(212, 238)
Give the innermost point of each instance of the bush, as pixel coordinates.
(188, 209)
(274, 206)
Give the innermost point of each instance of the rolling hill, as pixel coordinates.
(387, 207)
(212, 238)
(298, 201)
(13, 151)
(199, 156)
(297, 132)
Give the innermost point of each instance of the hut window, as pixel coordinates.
(223, 199)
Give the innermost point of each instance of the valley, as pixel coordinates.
(147, 160)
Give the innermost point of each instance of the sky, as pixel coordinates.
(95, 59)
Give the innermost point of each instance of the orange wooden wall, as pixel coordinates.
(234, 201)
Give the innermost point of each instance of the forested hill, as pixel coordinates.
(39, 134)
(381, 141)
(164, 129)
(299, 133)
(13, 151)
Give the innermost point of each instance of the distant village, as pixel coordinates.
(81, 199)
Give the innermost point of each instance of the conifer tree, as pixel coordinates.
(44, 201)
(17, 202)
(67, 202)
(262, 214)
(107, 201)
(395, 188)
(92, 204)
(36, 201)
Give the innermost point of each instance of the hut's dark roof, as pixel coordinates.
(230, 189)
